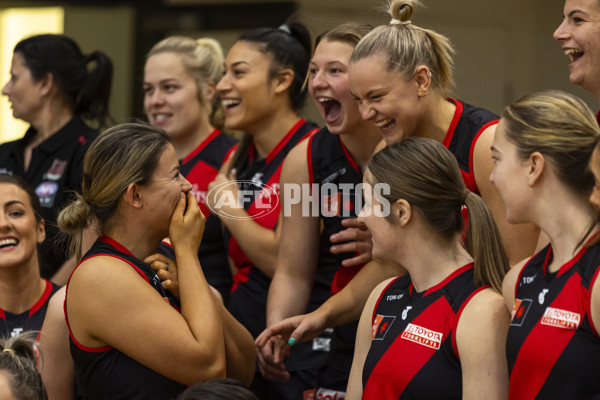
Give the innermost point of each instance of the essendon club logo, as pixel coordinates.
(561, 318)
(381, 326)
(519, 311)
(423, 336)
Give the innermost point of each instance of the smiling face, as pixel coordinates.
(329, 87)
(20, 232)
(23, 92)
(161, 195)
(247, 93)
(384, 236)
(385, 98)
(579, 36)
(509, 176)
(171, 96)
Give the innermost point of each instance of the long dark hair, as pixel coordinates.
(87, 90)
(289, 46)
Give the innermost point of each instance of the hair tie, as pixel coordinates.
(395, 21)
(285, 28)
(9, 351)
(466, 193)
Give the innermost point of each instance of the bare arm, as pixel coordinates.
(481, 341)
(290, 288)
(55, 362)
(239, 347)
(187, 347)
(339, 309)
(364, 335)
(519, 240)
(239, 344)
(298, 249)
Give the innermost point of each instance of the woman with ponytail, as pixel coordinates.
(401, 74)
(180, 77)
(129, 337)
(438, 331)
(262, 91)
(54, 87)
(542, 152)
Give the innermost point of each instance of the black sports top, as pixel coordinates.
(105, 372)
(553, 348)
(55, 171)
(30, 320)
(414, 354)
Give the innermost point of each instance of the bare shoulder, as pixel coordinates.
(104, 275)
(297, 160)
(510, 281)
(485, 312)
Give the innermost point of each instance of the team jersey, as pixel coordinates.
(105, 372)
(200, 167)
(250, 286)
(413, 353)
(329, 163)
(30, 320)
(466, 126)
(553, 348)
(55, 172)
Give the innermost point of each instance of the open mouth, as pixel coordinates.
(386, 123)
(230, 103)
(160, 118)
(573, 54)
(332, 108)
(8, 243)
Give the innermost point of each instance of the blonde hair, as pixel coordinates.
(124, 154)
(431, 182)
(562, 128)
(408, 47)
(204, 62)
(17, 361)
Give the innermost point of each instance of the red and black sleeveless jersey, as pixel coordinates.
(413, 353)
(30, 320)
(200, 168)
(466, 126)
(553, 349)
(105, 372)
(250, 285)
(329, 163)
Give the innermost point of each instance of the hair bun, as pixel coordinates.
(402, 10)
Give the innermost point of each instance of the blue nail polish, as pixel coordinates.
(292, 341)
